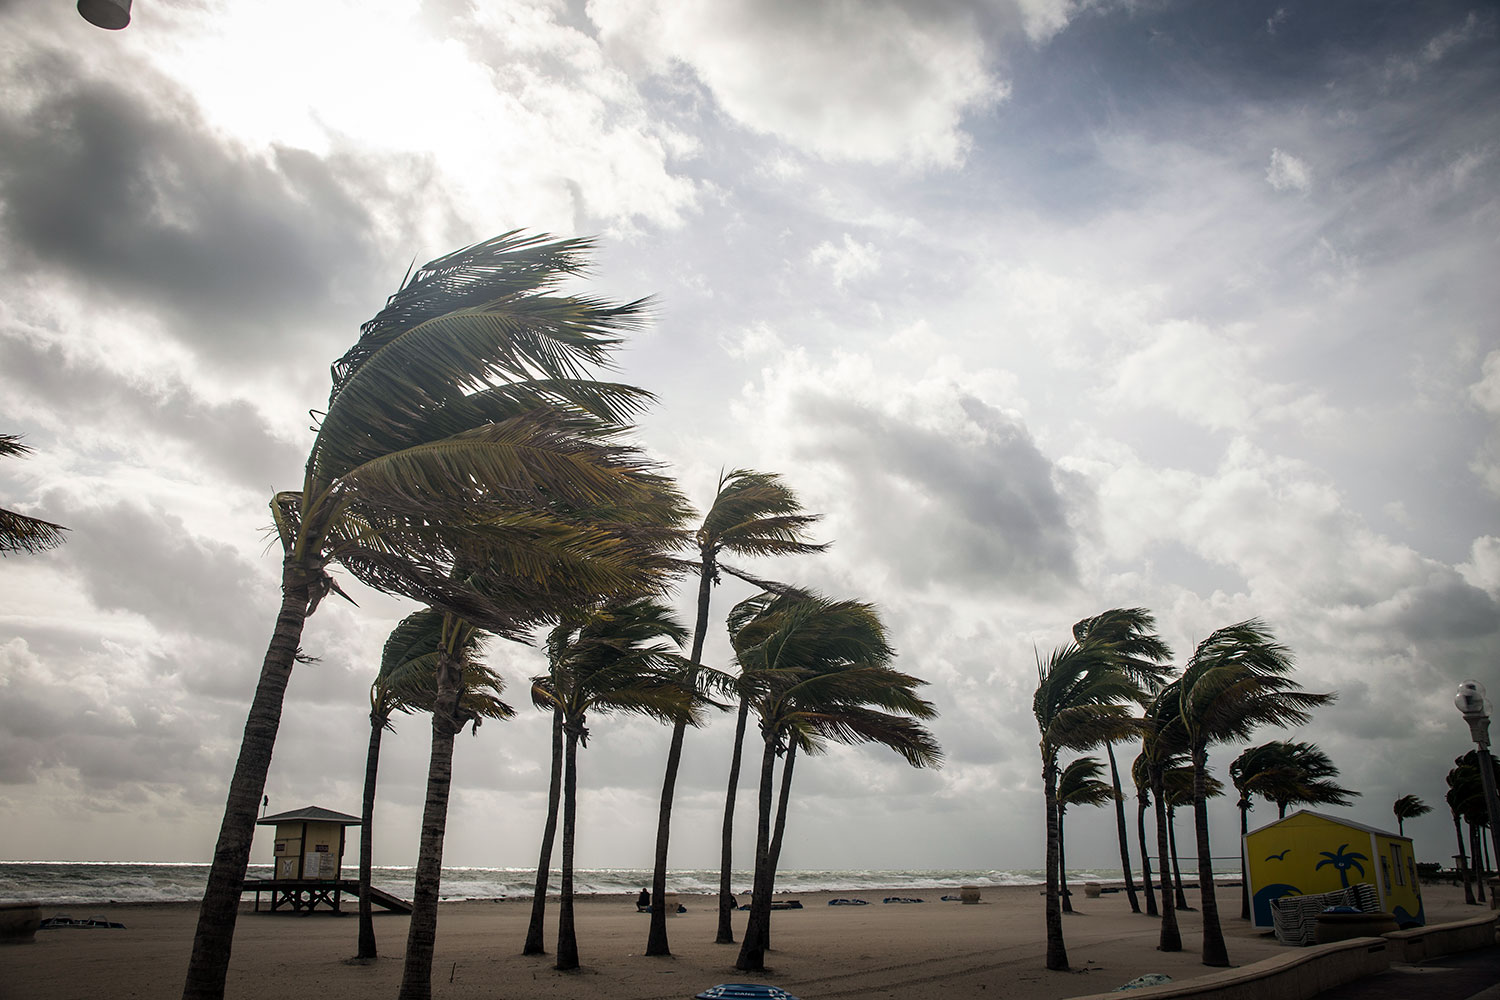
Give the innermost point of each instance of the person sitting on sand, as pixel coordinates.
(643, 902)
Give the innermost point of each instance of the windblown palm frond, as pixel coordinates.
(18, 532)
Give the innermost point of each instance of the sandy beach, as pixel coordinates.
(912, 951)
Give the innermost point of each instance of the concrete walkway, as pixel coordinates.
(1469, 975)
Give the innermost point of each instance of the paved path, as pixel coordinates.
(1470, 975)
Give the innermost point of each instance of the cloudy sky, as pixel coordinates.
(1049, 306)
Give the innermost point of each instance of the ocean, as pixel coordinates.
(84, 882)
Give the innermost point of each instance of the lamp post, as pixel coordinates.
(1475, 708)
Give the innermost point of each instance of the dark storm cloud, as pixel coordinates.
(981, 507)
(146, 561)
(229, 437)
(140, 202)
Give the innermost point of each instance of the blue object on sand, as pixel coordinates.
(744, 991)
(901, 899)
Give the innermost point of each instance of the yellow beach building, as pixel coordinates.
(1308, 853)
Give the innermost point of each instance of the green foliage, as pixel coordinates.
(19, 533)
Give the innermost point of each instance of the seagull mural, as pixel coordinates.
(1342, 862)
(1281, 856)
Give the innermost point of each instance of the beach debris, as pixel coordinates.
(848, 902)
(744, 991)
(1141, 982)
(52, 923)
(902, 899)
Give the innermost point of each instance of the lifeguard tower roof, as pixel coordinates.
(310, 814)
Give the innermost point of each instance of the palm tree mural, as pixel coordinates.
(821, 675)
(1235, 680)
(1081, 702)
(462, 418)
(1342, 860)
(753, 514)
(19, 533)
(618, 656)
(406, 682)
(1408, 807)
(1140, 654)
(1079, 784)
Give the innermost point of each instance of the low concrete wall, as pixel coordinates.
(1295, 976)
(1422, 943)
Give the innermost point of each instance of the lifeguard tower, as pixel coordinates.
(309, 853)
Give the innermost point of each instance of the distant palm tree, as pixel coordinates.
(821, 675)
(535, 927)
(19, 533)
(407, 681)
(462, 412)
(618, 656)
(752, 514)
(1078, 785)
(1141, 654)
(1081, 703)
(1141, 775)
(1408, 807)
(1236, 679)
(1162, 744)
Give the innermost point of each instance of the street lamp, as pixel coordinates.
(111, 14)
(1475, 707)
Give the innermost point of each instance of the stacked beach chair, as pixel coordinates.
(1295, 917)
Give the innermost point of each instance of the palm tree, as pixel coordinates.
(461, 406)
(405, 682)
(1078, 785)
(1236, 679)
(820, 675)
(535, 928)
(19, 533)
(1408, 807)
(1141, 654)
(1454, 798)
(1140, 773)
(753, 514)
(1286, 773)
(618, 656)
(1079, 704)
(1162, 744)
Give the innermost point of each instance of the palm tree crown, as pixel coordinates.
(1408, 807)
(19, 533)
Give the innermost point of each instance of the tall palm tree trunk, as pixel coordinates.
(1463, 860)
(535, 944)
(752, 957)
(209, 964)
(1215, 951)
(725, 933)
(1121, 829)
(367, 839)
(1140, 831)
(1057, 952)
(777, 832)
(656, 938)
(567, 938)
(1176, 861)
(1171, 937)
(1062, 861)
(421, 935)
